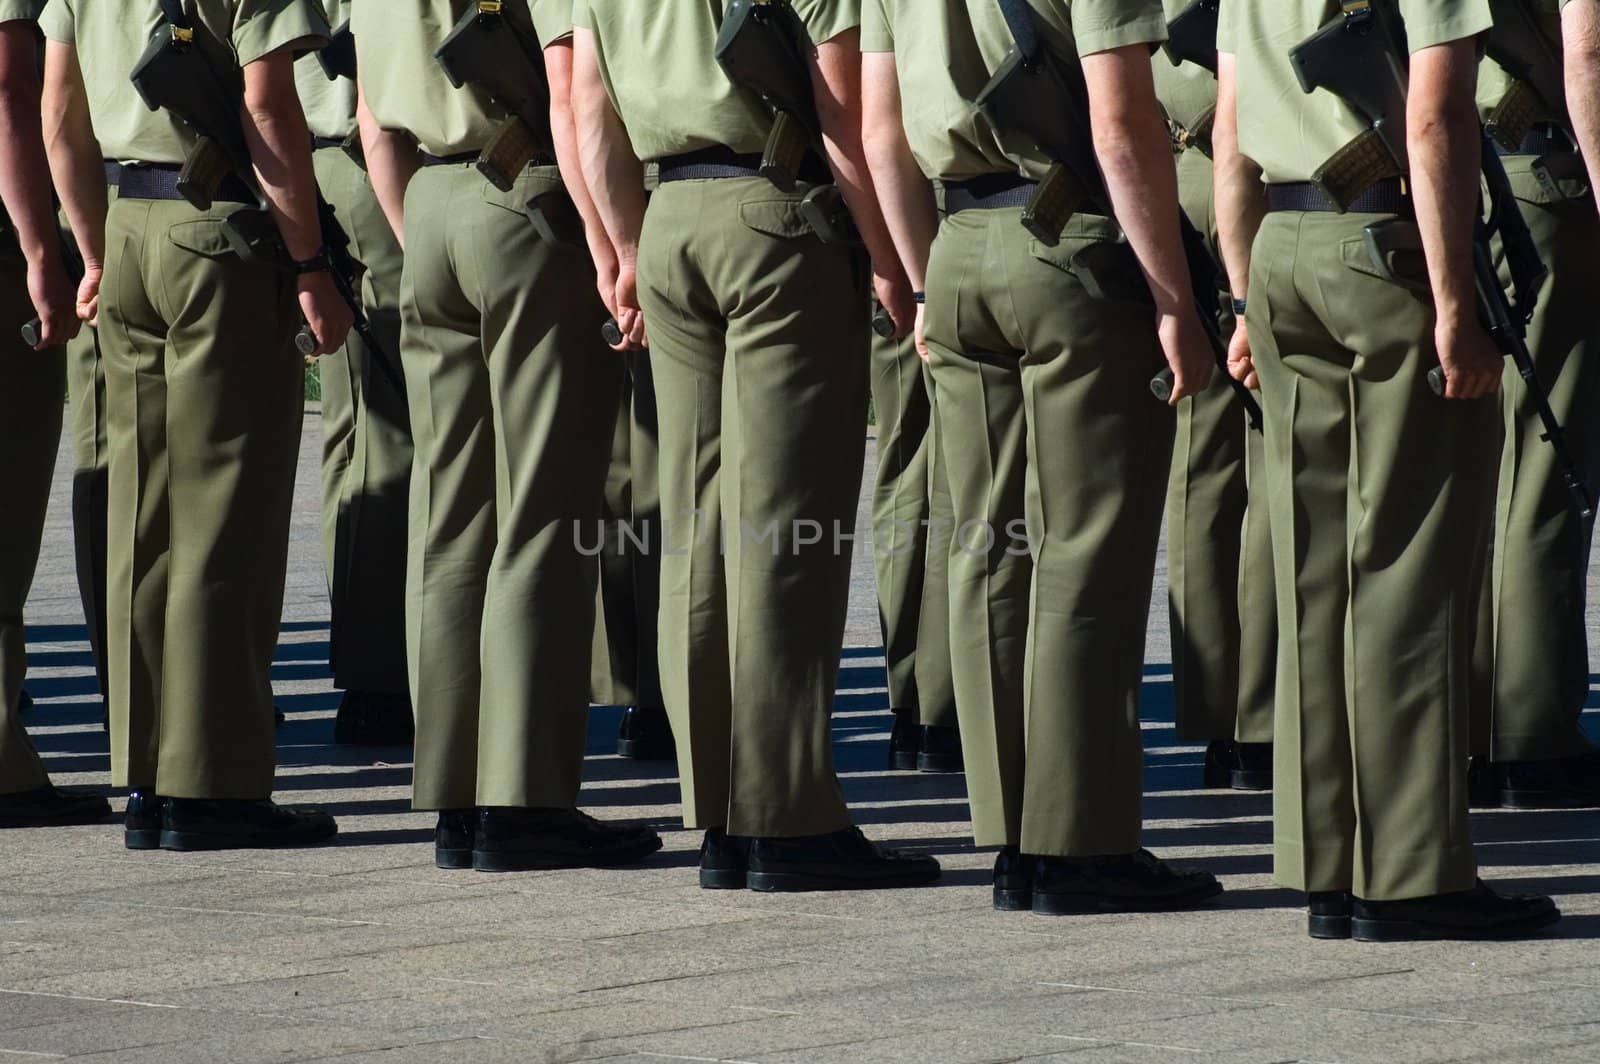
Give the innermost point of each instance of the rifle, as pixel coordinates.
(182, 71)
(1192, 35)
(1341, 58)
(490, 51)
(338, 57)
(762, 46)
(1045, 99)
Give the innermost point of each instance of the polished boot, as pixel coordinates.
(523, 840)
(1328, 914)
(1013, 880)
(1135, 882)
(241, 824)
(1252, 767)
(1216, 772)
(724, 861)
(141, 821)
(646, 735)
(453, 838)
(47, 807)
(940, 750)
(905, 741)
(841, 860)
(1565, 783)
(1473, 914)
(374, 718)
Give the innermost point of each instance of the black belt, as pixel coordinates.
(989, 192)
(113, 172)
(1544, 138)
(459, 159)
(318, 143)
(159, 181)
(1386, 197)
(721, 162)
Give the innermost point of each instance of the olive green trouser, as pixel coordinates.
(624, 670)
(1219, 547)
(32, 389)
(86, 398)
(1541, 544)
(760, 364)
(204, 406)
(1058, 454)
(366, 453)
(911, 534)
(512, 397)
(1381, 496)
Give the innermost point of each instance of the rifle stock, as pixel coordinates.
(489, 51)
(1192, 35)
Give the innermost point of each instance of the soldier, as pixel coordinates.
(203, 389)
(1219, 571)
(33, 283)
(912, 528)
(755, 326)
(1541, 758)
(366, 437)
(624, 670)
(1057, 454)
(1379, 488)
(511, 394)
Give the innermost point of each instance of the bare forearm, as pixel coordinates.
(1135, 154)
(904, 194)
(614, 176)
(24, 173)
(1444, 143)
(1240, 197)
(280, 147)
(391, 164)
(1580, 33)
(76, 164)
(564, 131)
(836, 84)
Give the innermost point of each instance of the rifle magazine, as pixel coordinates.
(1052, 206)
(785, 152)
(1355, 168)
(203, 173)
(507, 154)
(1514, 116)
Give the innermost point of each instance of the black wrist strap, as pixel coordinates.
(318, 263)
(919, 298)
(1238, 308)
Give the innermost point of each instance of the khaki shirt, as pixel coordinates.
(1188, 92)
(1493, 81)
(330, 105)
(945, 51)
(20, 10)
(111, 35)
(407, 90)
(1287, 132)
(657, 60)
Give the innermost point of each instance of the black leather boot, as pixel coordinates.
(1013, 880)
(842, 860)
(905, 740)
(724, 861)
(646, 735)
(1473, 914)
(523, 840)
(1328, 914)
(1252, 768)
(1135, 882)
(374, 718)
(141, 821)
(453, 838)
(940, 749)
(240, 824)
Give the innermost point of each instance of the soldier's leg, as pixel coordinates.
(1541, 544)
(367, 645)
(1258, 606)
(554, 386)
(1094, 528)
(86, 389)
(234, 399)
(935, 689)
(899, 537)
(610, 670)
(32, 385)
(982, 442)
(790, 487)
(451, 534)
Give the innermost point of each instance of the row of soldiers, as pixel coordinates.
(1353, 616)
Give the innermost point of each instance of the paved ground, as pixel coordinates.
(364, 951)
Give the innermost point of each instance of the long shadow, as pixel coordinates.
(316, 650)
(56, 633)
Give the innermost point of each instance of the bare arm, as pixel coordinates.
(1580, 34)
(836, 81)
(391, 164)
(1444, 142)
(904, 194)
(1135, 154)
(25, 185)
(280, 148)
(614, 177)
(1241, 204)
(564, 128)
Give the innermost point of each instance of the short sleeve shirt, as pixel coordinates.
(109, 41)
(405, 87)
(658, 61)
(329, 103)
(20, 10)
(1493, 81)
(946, 50)
(1187, 91)
(1290, 133)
